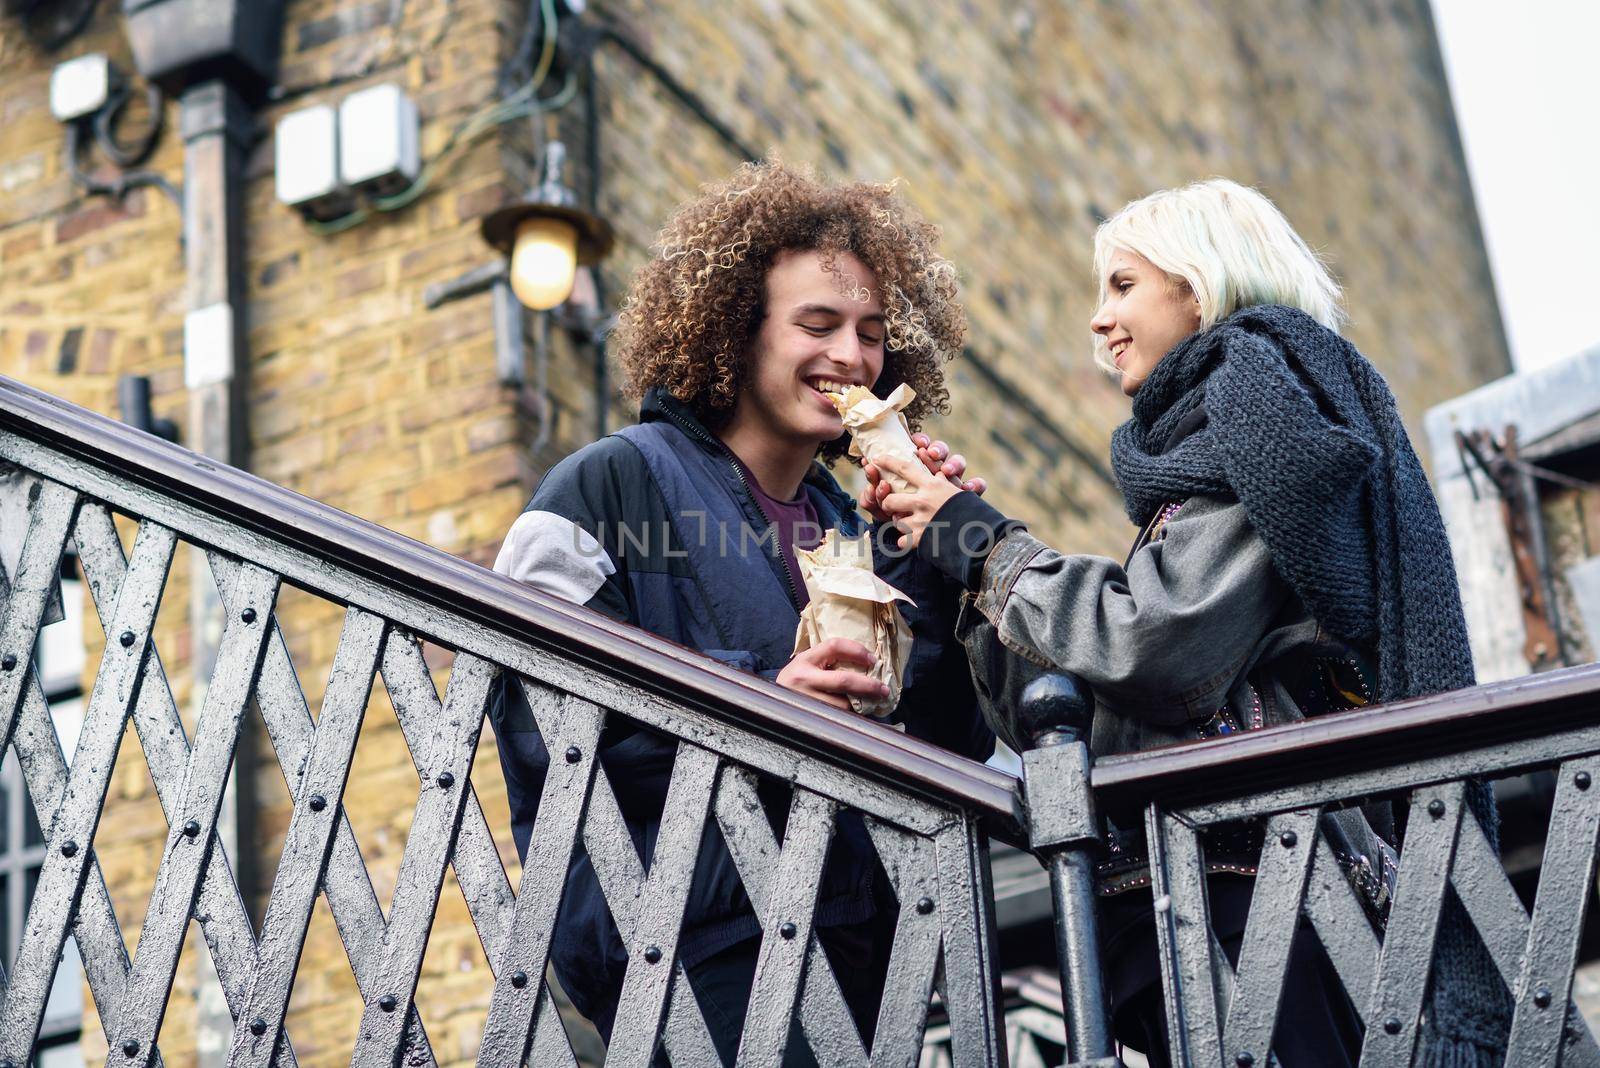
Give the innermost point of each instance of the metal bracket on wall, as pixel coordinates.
(1516, 482)
(510, 353)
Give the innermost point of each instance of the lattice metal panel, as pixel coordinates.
(1222, 1016)
(934, 854)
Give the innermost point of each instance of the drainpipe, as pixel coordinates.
(217, 57)
(216, 127)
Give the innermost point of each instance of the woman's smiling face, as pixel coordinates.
(1144, 315)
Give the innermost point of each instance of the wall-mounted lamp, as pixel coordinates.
(547, 236)
(543, 240)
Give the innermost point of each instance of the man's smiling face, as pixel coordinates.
(824, 329)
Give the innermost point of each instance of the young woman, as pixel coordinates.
(1291, 561)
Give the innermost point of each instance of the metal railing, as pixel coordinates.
(1422, 755)
(929, 813)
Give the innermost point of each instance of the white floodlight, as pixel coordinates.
(81, 86)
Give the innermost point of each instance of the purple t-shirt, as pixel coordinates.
(797, 524)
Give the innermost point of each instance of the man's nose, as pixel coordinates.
(846, 350)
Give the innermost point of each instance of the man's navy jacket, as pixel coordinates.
(657, 527)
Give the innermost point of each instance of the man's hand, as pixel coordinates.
(912, 512)
(935, 456)
(817, 672)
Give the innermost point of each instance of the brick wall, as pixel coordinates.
(359, 398)
(1016, 126)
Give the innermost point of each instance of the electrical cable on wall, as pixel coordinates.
(52, 31)
(396, 55)
(681, 92)
(108, 118)
(523, 102)
(122, 184)
(102, 126)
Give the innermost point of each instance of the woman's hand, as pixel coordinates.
(935, 456)
(816, 672)
(912, 512)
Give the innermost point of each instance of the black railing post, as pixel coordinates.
(1064, 832)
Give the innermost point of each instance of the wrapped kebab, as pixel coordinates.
(877, 428)
(848, 600)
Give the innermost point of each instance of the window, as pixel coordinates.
(59, 660)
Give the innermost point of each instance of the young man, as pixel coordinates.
(765, 290)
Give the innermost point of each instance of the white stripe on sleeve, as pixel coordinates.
(554, 555)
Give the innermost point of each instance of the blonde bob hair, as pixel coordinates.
(1228, 244)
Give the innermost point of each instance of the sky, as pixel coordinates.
(1525, 79)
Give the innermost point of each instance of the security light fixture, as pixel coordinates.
(82, 86)
(547, 236)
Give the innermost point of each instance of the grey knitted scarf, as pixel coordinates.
(1304, 432)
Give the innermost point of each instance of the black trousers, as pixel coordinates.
(1318, 1027)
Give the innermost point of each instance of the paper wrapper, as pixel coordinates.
(849, 601)
(877, 428)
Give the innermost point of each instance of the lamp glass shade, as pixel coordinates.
(543, 262)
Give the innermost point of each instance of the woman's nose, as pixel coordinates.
(1103, 320)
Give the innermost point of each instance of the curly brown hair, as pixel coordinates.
(695, 309)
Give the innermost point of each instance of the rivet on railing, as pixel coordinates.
(1244, 1058)
(318, 802)
(69, 848)
(130, 1048)
(652, 954)
(388, 1002)
(1582, 780)
(248, 615)
(1288, 839)
(924, 905)
(8, 662)
(574, 754)
(519, 978)
(258, 1026)
(191, 829)
(1436, 809)
(127, 641)
(788, 929)
(1541, 996)
(1392, 1025)
(446, 780)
